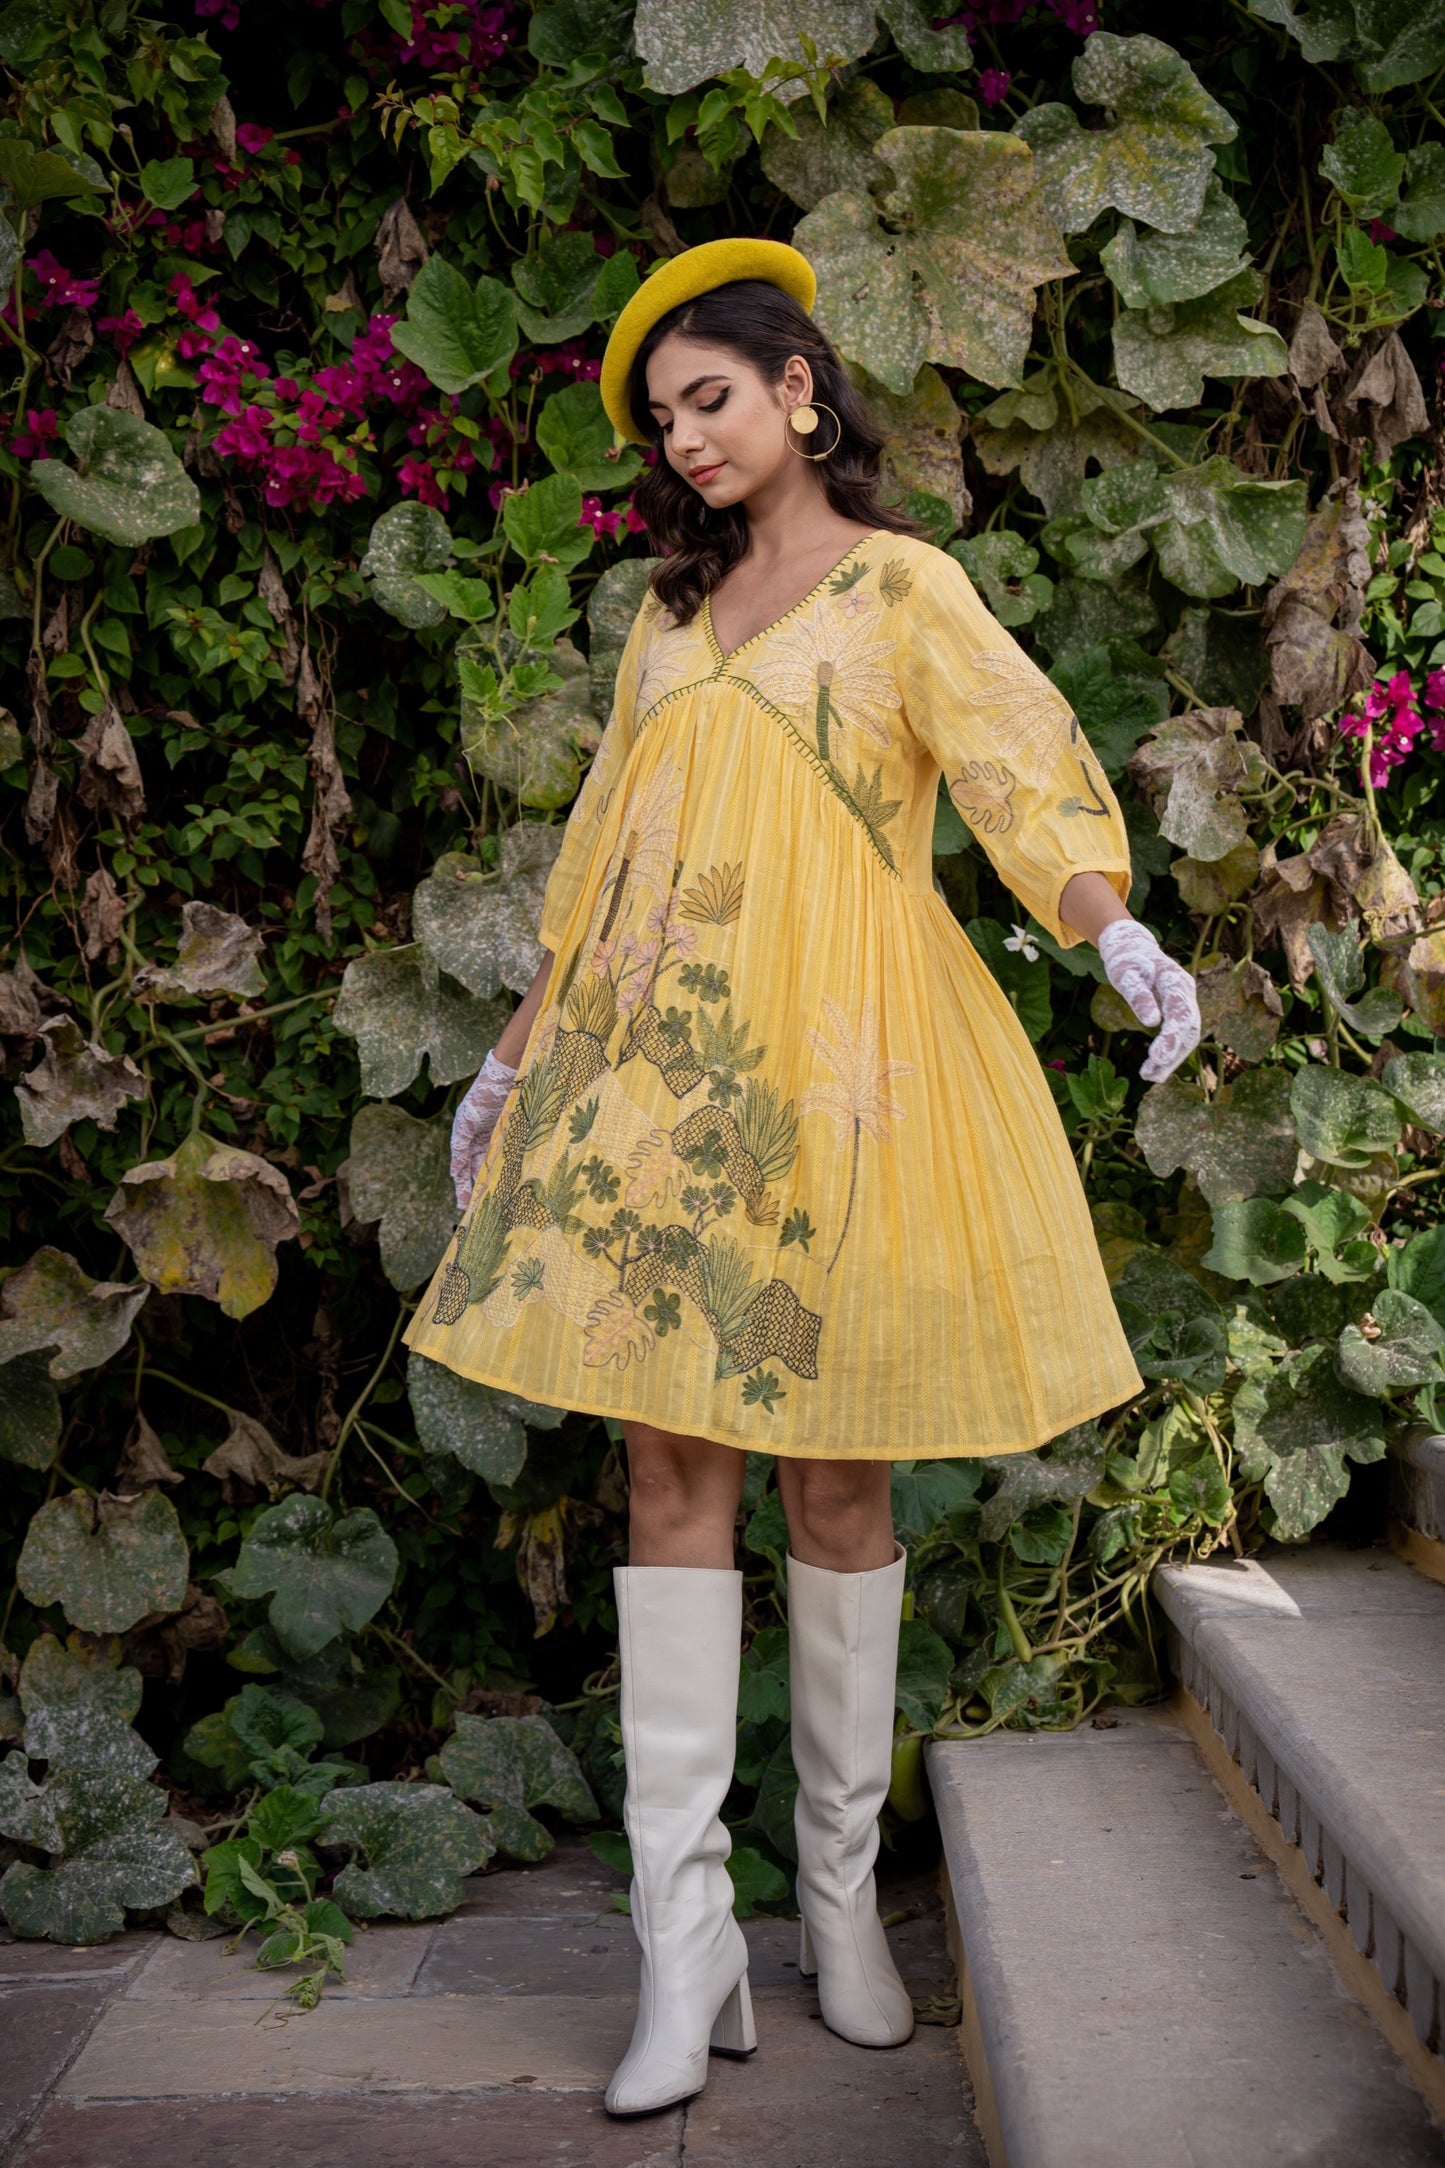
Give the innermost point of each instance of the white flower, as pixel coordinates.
(1023, 944)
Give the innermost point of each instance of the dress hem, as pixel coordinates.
(1084, 1414)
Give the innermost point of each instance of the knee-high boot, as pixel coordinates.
(680, 1632)
(843, 1664)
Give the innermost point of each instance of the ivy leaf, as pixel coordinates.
(1342, 1119)
(544, 521)
(1209, 885)
(773, 1807)
(1118, 694)
(1255, 1240)
(511, 1764)
(34, 176)
(837, 154)
(1418, 1268)
(457, 334)
(323, 1577)
(1341, 967)
(1417, 1081)
(1005, 566)
(1151, 269)
(1190, 769)
(1239, 1004)
(574, 433)
(399, 1173)
(1398, 43)
(756, 1881)
(925, 1663)
(613, 604)
(1226, 526)
(481, 929)
(925, 1492)
(1295, 1430)
(1174, 1328)
(958, 283)
(264, 1720)
(923, 452)
(418, 1840)
(477, 1425)
(217, 953)
(50, 1304)
(1239, 1144)
(685, 46)
(407, 543)
(1164, 354)
(105, 1561)
(128, 487)
(555, 286)
(1151, 160)
(1406, 1353)
(1201, 1486)
(400, 1009)
(77, 1080)
(1363, 164)
(1067, 1469)
(29, 1413)
(206, 1222)
(1051, 444)
(763, 1685)
(1420, 213)
(112, 1856)
(532, 751)
(79, 1706)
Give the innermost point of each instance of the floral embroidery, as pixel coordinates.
(982, 793)
(894, 582)
(1035, 722)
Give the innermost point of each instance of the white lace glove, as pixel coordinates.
(473, 1123)
(1157, 989)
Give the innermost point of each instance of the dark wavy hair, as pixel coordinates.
(764, 325)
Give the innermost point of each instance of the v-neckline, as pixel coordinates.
(764, 630)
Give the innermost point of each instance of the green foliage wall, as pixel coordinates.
(317, 560)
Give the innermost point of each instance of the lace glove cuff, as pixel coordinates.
(473, 1123)
(1158, 990)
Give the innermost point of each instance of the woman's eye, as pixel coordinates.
(721, 397)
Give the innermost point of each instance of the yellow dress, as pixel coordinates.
(780, 1167)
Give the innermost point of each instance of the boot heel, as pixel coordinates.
(732, 2032)
(807, 1963)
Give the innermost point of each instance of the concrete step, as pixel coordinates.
(1322, 1674)
(1139, 1988)
(1417, 1502)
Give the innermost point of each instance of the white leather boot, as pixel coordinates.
(680, 1634)
(843, 1665)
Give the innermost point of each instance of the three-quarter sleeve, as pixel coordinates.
(589, 807)
(1015, 761)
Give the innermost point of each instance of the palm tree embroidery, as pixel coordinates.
(859, 1099)
(836, 665)
(1035, 722)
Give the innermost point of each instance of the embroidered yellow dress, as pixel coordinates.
(780, 1167)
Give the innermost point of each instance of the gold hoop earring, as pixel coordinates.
(805, 420)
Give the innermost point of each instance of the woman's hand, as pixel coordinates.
(1158, 990)
(473, 1123)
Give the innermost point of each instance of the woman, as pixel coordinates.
(764, 1159)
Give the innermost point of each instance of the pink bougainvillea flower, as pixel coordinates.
(59, 288)
(1435, 688)
(225, 12)
(1379, 231)
(993, 85)
(122, 331)
(251, 138)
(35, 442)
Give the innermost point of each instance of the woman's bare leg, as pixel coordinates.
(684, 1498)
(840, 1512)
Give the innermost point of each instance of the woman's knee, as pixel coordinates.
(831, 1497)
(674, 1481)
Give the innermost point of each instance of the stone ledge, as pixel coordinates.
(1323, 1672)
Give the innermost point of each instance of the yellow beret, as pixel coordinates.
(682, 278)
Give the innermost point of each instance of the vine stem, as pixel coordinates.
(353, 1413)
(404, 1648)
(164, 1377)
(229, 1023)
(1122, 414)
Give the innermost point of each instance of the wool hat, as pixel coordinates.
(682, 278)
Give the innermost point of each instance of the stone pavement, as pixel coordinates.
(484, 2038)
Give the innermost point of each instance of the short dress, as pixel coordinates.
(780, 1167)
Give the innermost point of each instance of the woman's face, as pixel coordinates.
(722, 426)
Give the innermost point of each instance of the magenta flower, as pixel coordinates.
(122, 331)
(1435, 689)
(251, 138)
(59, 288)
(1379, 231)
(35, 442)
(226, 12)
(993, 86)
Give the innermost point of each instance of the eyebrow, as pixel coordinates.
(717, 377)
